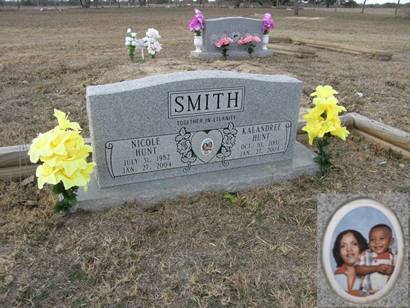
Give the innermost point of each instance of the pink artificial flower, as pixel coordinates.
(267, 23)
(225, 41)
(256, 39)
(249, 39)
(243, 40)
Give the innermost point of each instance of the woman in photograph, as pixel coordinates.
(348, 247)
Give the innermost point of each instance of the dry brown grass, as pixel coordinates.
(48, 58)
(204, 251)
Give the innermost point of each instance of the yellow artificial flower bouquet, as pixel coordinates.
(64, 154)
(323, 121)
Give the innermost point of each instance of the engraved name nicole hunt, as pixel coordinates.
(188, 103)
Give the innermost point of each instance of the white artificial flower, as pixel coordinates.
(153, 48)
(157, 46)
(129, 30)
(150, 41)
(151, 51)
(128, 40)
(147, 41)
(152, 33)
(133, 34)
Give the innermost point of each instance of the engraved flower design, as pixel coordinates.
(182, 134)
(184, 146)
(188, 158)
(225, 151)
(229, 140)
(230, 130)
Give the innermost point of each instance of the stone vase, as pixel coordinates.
(198, 43)
(265, 41)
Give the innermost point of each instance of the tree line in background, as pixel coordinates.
(220, 3)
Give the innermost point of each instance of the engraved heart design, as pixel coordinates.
(200, 141)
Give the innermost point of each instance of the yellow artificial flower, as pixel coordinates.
(80, 177)
(54, 173)
(314, 114)
(64, 155)
(313, 128)
(54, 142)
(325, 100)
(340, 132)
(64, 123)
(324, 91)
(329, 109)
(317, 126)
(324, 117)
(40, 147)
(46, 174)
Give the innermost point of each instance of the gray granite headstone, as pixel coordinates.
(235, 28)
(192, 128)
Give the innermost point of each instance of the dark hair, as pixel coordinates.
(381, 226)
(336, 248)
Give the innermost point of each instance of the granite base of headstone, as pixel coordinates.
(177, 134)
(147, 194)
(232, 55)
(234, 28)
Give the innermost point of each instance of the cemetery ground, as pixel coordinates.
(203, 251)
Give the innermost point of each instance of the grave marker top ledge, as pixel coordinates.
(188, 123)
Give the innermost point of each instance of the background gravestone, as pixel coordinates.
(235, 28)
(203, 130)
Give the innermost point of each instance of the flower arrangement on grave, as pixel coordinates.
(63, 154)
(131, 43)
(267, 23)
(197, 23)
(223, 44)
(151, 42)
(250, 42)
(322, 122)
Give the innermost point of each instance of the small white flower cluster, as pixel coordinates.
(131, 43)
(131, 38)
(151, 41)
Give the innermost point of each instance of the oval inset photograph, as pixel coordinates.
(362, 250)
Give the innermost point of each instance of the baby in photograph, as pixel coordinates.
(376, 264)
